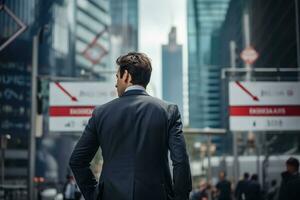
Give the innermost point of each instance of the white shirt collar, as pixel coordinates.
(135, 87)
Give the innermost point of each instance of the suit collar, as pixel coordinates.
(135, 92)
(135, 87)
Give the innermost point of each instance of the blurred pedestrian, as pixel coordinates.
(241, 187)
(201, 193)
(70, 190)
(290, 183)
(136, 133)
(273, 191)
(223, 187)
(253, 189)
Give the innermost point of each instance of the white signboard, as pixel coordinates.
(264, 106)
(72, 103)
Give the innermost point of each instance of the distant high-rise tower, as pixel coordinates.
(172, 71)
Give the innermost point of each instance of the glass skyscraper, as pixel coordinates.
(75, 42)
(205, 18)
(92, 20)
(124, 27)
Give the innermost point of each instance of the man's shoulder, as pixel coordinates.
(160, 101)
(169, 107)
(147, 99)
(106, 105)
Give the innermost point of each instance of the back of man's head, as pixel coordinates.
(246, 175)
(254, 177)
(292, 165)
(138, 66)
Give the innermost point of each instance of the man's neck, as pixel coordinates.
(135, 87)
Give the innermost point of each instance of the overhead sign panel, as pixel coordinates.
(72, 103)
(264, 106)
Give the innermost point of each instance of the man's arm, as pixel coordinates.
(181, 167)
(81, 157)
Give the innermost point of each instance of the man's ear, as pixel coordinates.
(127, 76)
(124, 76)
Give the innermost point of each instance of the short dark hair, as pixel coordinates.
(254, 177)
(138, 66)
(293, 162)
(246, 175)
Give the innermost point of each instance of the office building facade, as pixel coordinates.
(67, 29)
(204, 21)
(92, 41)
(124, 27)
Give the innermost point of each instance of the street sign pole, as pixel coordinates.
(209, 157)
(32, 145)
(247, 36)
(234, 135)
(235, 158)
(258, 154)
(232, 48)
(297, 32)
(209, 164)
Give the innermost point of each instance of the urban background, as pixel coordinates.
(233, 68)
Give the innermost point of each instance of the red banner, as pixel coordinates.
(264, 110)
(71, 111)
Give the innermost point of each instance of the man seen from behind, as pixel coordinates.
(135, 133)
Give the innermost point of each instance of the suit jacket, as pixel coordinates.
(135, 133)
(289, 188)
(253, 191)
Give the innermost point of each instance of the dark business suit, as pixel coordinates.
(135, 133)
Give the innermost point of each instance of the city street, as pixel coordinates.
(231, 67)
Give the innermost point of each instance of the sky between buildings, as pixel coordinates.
(155, 20)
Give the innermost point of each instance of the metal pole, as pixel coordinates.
(247, 39)
(31, 167)
(3, 145)
(209, 163)
(2, 160)
(246, 29)
(233, 56)
(209, 157)
(257, 141)
(235, 153)
(235, 158)
(265, 161)
(297, 32)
